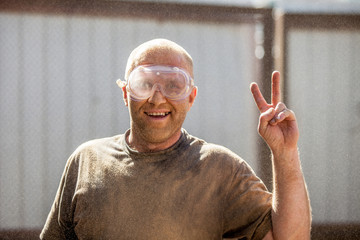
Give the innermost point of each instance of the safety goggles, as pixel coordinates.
(174, 83)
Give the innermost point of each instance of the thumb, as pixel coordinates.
(265, 118)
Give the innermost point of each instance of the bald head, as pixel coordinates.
(159, 52)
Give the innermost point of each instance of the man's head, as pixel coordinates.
(156, 121)
(154, 52)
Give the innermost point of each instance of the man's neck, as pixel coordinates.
(141, 145)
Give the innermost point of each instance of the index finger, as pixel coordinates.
(258, 97)
(275, 88)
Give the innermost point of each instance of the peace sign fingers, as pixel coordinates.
(275, 93)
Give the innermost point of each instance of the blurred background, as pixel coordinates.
(59, 61)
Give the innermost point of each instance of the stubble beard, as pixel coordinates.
(147, 134)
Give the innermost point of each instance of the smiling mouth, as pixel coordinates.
(157, 114)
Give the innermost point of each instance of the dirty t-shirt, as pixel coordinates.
(193, 190)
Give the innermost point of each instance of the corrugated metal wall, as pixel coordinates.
(57, 90)
(323, 89)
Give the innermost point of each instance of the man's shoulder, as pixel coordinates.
(208, 147)
(218, 160)
(214, 151)
(95, 151)
(100, 144)
(221, 154)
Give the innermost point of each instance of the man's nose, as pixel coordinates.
(157, 97)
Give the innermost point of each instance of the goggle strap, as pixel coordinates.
(120, 83)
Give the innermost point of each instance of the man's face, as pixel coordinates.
(158, 120)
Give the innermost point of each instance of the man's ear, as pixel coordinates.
(122, 85)
(192, 96)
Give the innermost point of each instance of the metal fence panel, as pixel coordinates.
(323, 89)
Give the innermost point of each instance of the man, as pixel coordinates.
(156, 181)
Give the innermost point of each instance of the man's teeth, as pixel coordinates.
(163, 114)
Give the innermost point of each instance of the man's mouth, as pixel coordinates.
(157, 114)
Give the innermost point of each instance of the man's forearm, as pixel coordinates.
(291, 214)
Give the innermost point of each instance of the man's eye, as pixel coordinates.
(173, 85)
(146, 85)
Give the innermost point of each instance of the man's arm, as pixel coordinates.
(291, 213)
(58, 224)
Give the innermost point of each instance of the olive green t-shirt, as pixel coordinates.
(193, 190)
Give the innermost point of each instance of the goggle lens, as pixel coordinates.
(174, 83)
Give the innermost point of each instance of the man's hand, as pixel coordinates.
(291, 214)
(277, 124)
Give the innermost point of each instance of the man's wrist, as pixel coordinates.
(285, 153)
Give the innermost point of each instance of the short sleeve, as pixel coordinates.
(59, 223)
(247, 213)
